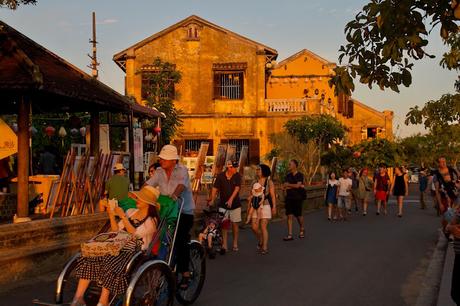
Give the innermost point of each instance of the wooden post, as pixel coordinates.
(23, 160)
(131, 147)
(94, 132)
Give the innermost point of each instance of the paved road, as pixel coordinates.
(373, 260)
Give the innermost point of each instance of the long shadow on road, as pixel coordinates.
(372, 260)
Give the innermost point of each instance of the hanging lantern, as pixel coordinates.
(33, 130)
(148, 137)
(74, 132)
(62, 132)
(49, 130)
(83, 131)
(157, 130)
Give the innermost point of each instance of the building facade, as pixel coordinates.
(232, 90)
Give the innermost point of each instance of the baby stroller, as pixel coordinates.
(218, 217)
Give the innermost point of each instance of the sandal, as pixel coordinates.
(288, 238)
(302, 234)
(235, 249)
(264, 252)
(78, 302)
(184, 283)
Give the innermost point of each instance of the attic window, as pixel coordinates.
(193, 32)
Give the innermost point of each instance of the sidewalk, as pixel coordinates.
(444, 298)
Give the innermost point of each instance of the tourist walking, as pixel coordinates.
(344, 195)
(173, 181)
(444, 179)
(422, 187)
(293, 185)
(400, 188)
(365, 186)
(228, 185)
(263, 210)
(381, 188)
(331, 197)
(353, 175)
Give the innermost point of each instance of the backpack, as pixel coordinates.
(267, 194)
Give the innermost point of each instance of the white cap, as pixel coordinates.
(168, 152)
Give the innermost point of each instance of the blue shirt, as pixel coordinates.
(179, 176)
(423, 181)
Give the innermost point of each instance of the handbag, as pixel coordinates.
(268, 196)
(104, 244)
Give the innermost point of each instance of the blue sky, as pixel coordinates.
(64, 27)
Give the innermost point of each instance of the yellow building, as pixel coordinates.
(231, 89)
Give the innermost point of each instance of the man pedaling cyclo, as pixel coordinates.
(173, 180)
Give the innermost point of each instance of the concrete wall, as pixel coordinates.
(32, 248)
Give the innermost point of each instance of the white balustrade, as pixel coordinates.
(288, 105)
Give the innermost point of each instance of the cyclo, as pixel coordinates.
(153, 276)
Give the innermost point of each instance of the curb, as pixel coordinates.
(429, 293)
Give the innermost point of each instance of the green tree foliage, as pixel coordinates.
(287, 147)
(161, 94)
(420, 150)
(387, 37)
(13, 4)
(376, 151)
(441, 118)
(318, 133)
(338, 158)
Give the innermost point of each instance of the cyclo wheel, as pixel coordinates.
(152, 285)
(197, 269)
(67, 284)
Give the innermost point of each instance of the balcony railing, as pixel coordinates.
(289, 105)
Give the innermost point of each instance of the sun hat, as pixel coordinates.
(118, 167)
(255, 187)
(168, 152)
(147, 194)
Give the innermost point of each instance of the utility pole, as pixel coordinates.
(94, 120)
(93, 58)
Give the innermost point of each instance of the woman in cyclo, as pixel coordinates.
(109, 271)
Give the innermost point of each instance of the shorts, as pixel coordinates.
(293, 207)
(263, 212)
(344, 202)
(234, 215)
(381, 195)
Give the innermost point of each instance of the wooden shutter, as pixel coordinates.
(350, 108)
(217, 85)
(340, 100)
(211, 147)
(254, 151)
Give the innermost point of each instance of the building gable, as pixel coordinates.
(192, 26)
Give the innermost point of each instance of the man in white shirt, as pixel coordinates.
(343, 194)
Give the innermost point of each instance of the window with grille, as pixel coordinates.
(229, 80)
(239, 143)
(228, 85)
(146, 89)
(192, 146)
